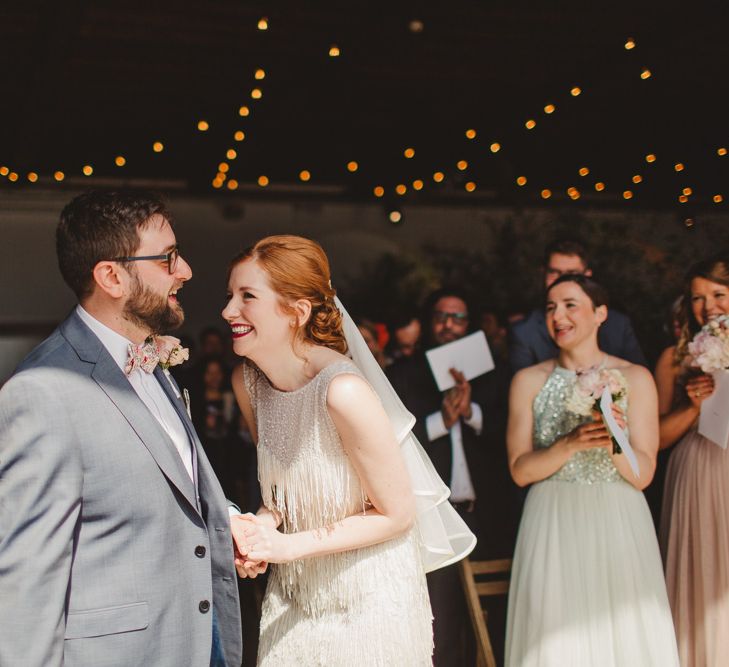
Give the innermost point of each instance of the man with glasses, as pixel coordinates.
(529, 341)
(115, 542)
(462, 430)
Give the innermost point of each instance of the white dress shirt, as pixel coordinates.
(461, 485)
(146, 386)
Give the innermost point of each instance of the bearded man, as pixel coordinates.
(115, 542)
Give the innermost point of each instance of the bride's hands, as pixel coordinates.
(246, 567)
(259, 542)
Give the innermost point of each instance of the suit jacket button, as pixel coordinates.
(200, 551)
(204, 607)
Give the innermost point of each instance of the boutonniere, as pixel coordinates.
(709, 348)
(171, 353)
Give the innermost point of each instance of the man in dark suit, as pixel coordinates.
(529, 341)
(462, 430)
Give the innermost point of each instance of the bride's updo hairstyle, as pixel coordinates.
(715, 270)
(596, 292)
(298, 268)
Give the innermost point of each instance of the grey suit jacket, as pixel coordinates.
(107, 557)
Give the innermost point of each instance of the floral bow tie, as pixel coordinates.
(163, 350)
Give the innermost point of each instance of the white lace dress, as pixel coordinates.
(368, 606)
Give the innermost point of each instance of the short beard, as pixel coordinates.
(148, 310)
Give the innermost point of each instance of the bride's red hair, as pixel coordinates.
(298, 268)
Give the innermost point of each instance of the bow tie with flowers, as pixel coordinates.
(163, 350)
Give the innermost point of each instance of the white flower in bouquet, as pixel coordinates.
(587, 392)
(709, 348)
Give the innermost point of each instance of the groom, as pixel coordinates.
(115, 543)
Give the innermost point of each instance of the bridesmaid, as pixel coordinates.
(586, 585)
(694, 531)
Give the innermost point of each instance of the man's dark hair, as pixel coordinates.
(567, 246)
(596, 292)
(98, 226)
(401, 318)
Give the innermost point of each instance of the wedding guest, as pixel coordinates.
(405, 339)
(214, 414)
(369, 332)
(530, 341)
(586, 586)
(494, 325)
(462, 430)
(694, 528)
(115, 542)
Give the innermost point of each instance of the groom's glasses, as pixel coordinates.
(170, 257)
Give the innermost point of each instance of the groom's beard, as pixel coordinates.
(151, 311)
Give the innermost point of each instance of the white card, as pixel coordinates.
(470, 355)
(606, 402)
(714, 416)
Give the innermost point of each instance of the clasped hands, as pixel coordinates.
(594, 433)
(256, 544)
(457, 400)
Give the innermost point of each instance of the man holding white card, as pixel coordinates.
(460, 423)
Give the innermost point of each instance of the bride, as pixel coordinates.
(339, 522)
(587, 586)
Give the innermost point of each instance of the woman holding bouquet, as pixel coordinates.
(586, 586)
(694, 528)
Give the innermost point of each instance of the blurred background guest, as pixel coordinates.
(529, 340)
(405, 331)
(494, 324)
(214, 415)
(462, 430)
(369, 332)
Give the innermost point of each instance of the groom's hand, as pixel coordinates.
(247, 569)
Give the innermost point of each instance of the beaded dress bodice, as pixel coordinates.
(308, 479)
(552, 420)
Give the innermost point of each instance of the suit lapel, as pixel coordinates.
(206, 482)
(114, 384)
(179, 405)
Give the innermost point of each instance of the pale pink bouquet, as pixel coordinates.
(587, 392)
(709, 348)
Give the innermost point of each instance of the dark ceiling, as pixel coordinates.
(86, 82)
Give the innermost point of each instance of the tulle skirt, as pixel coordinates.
(695, 545)
(587, 587)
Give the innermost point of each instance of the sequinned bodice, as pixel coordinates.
(308, 479)
(304, 472)
(552, 420)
